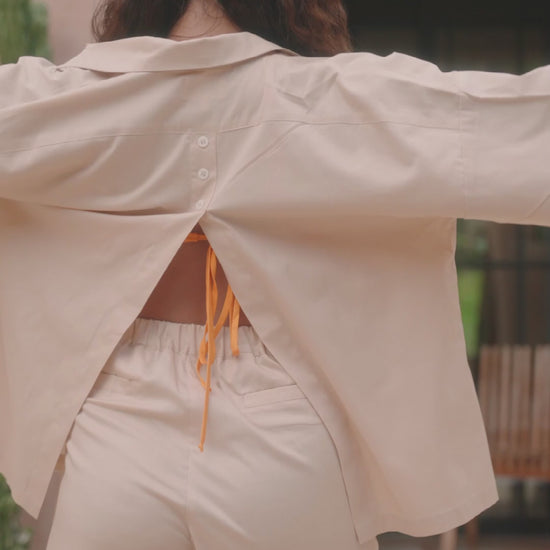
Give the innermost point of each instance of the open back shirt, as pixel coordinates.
(329, 189)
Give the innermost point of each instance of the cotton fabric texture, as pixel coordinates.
(255, 486)
(329, 189)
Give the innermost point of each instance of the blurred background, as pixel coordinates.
(503, 270)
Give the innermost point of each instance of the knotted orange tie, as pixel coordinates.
(230, 307)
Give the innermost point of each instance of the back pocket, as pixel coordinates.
(112, 382)
(272, 395)
(282, 406)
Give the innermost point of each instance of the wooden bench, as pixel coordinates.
(514, 395)
(513, 388)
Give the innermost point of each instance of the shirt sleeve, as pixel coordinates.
(499, 168)
(505, 128)
(67, 142)
(39, 147)
(29, 79)
(396, 136)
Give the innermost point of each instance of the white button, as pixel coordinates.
(203, 141)
(203, 173)
(199, 204)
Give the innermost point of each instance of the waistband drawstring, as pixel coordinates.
(230, 307)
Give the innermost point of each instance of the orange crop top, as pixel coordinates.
(230, 307)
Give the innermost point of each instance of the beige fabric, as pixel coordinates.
(133, 476)
(329, 189)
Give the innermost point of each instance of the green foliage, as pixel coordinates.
(471, 245)
(23, 30)
(470, 289)
(12, 536)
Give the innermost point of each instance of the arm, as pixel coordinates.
(68, 139)
(406, 139)
(503, 162)
(505, 126)
(29, 79)
(36, 156)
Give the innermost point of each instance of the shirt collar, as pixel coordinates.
(151, 53)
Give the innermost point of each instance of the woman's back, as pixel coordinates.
(180, 294)
(331, 188)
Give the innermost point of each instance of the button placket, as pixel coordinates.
(205, 156)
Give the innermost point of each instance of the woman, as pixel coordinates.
(328, 183)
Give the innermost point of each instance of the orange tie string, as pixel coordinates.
(231, 308)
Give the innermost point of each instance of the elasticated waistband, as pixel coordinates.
(185, 338)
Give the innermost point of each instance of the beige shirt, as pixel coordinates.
(329, 189)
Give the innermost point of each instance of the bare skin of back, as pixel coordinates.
(180, 295)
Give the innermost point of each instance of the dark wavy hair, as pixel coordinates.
(308, 27)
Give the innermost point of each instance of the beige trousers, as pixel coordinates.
(133, 477)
